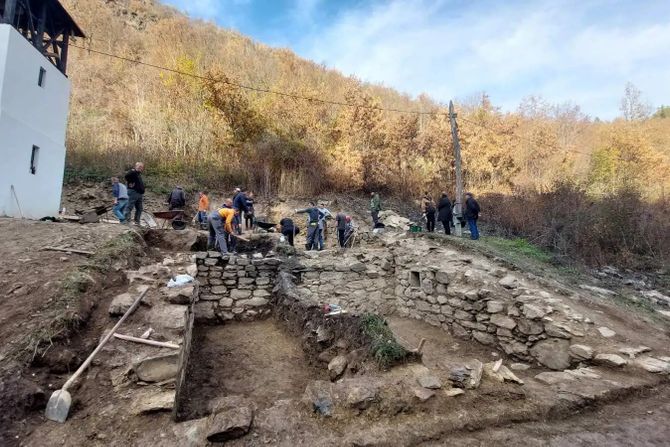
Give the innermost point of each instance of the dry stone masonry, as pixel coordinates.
(234, 288)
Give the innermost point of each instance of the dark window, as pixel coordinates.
(42, 78)
(415, 279)
(34, 156)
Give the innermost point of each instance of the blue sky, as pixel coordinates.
(582, 52)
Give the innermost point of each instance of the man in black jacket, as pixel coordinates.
(177, 199)
(135, 192)
(472, 211)
(444, 213)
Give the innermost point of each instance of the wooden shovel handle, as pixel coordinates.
(104, 341)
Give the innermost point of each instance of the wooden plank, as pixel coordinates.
(159, 344)
(69, 250)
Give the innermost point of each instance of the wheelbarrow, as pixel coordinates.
(267, 226)
(176, 218)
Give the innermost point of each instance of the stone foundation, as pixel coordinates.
(234, 288)
(479, 300)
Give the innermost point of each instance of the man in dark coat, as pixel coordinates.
(135, 192)
(240, 204)
(177, 199)
(444, 213)
(472, 211)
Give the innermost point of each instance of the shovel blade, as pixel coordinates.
(58, 406)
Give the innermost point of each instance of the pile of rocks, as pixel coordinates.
(235, 287)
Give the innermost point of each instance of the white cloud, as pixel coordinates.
(556, 49)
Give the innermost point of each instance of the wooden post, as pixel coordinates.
(459, 179)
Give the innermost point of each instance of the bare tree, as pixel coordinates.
(633, 107)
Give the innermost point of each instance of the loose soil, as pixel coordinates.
(258, 360)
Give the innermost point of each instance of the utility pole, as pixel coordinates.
(459, 178)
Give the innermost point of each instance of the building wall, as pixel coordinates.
(30, 115)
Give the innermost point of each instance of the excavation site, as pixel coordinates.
(403, 339)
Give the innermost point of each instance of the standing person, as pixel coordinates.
(472, 211)
(444, 213)
(430, 215)
(249, 214)
(312, 225)
(221, 230)
(288, 229)
(203, 208)
(120, 193)
(240, 204)
(135, 192)
(375, 207)
(341, 221)
(324, 214)
(177, 199)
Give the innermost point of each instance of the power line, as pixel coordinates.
(301, 97)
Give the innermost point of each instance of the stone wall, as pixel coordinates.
(468, 296)
(184, 355)
(234, 288)
(361, 282)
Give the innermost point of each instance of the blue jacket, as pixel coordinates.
(240, 202)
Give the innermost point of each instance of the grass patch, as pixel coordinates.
(384, 348)
(519, 247)
(64, 310)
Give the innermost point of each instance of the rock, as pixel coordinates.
(652, 365)
(552, 353)
(238, 294)
(121, 303)
(468, 376)
(430, 382)
(169, 316)
(191, 433)
(533, 312)
(610, 360)
(503, 321)
(484, 338)
(494, 307)
(205, 312)
(634, 352)
(179, 295)
(530, 327)
(253, 302)
(423, 394)
(442, 277)
(323, 334)
(509, 376)
(358, 267)
(337, 366)
(359, 394)
(153, 402)
(581, 352)
(519, 366)
(552, 378)
(606, 332)
(509, 282)
(561, 330)
(230, 424)
(157, 369)
(582, 373)
(453, 392)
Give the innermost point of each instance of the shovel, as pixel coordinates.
(59, 403)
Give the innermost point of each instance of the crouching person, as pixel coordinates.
(221, 230)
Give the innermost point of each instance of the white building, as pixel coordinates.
(34, 101)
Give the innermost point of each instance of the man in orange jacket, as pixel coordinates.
(221, 230)
(203, 208)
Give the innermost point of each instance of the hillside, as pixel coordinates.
(574, 174)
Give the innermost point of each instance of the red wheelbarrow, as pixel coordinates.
(176, 218)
